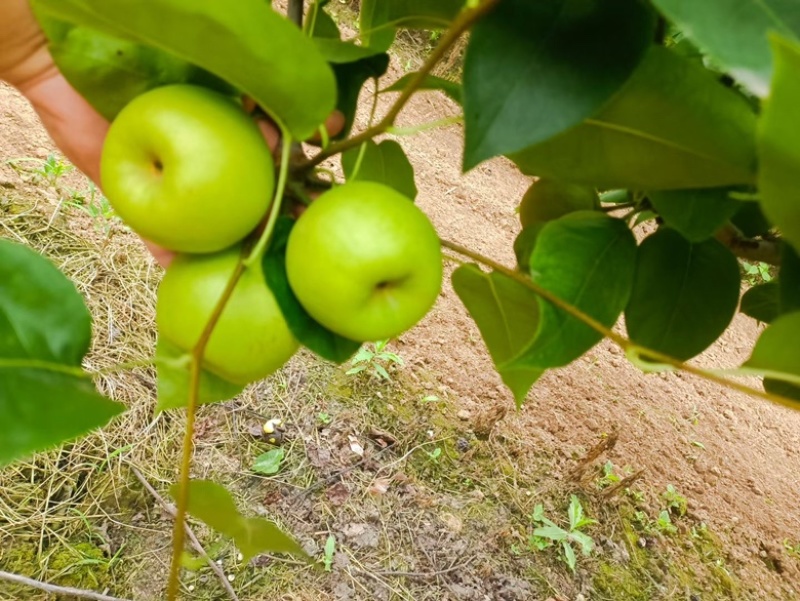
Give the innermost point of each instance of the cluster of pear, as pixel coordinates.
(188, 169)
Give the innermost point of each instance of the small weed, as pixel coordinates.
(550, 533)
(324, 418)
(610, 476)
(664, 523)
(434, 455)
(757, 273)
(676, 502)
(375, 361)
(269, 463)
(52, 170)
(96, 206)
(49, 171)
(330, 550)
(792, 549)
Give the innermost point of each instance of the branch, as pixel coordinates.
(645, 358)
(170, 509)
(295, 12)
(462, 23)
(56, 590)
(764, 251)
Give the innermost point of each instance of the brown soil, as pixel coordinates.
(734, 457)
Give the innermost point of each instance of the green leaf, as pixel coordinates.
(308, 332)
(385, 162)
(673, 125)
(213, 505)
(734, 33)
(173, 366)
(575, 512)
(696, 214)
(789, 280)
(761, 302)
(42, 315)
(535, 69)
(777, 350)
(339, 51)
(751, 220)
(269, 463)
(552, 532)
(584, 540)
(320, 24)
(110, 72)
(350, 78)
(45, 331)
(246, 43)
(569, 555)
(587, 259)
(379, 18)
(684, 296)
(507, 315)
(524, 244)
(40, 408)
(779, 143)
(451, 89)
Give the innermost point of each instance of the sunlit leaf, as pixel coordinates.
(110, 72)
(535, 69)
(246, 43)
(779, 144)
(777, 350)
(213, 505)
(673, 125)
(734, 32)
(45, 329)
(269, 463)
(506, 313)
(385, 162)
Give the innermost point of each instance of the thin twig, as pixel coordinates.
(188, 444)
(765, 251)
(170, 509)
(624, 483)
(57, 590)
(424, 575)
(462, 23)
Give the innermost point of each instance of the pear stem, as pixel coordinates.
(464, 21)
(275, 210)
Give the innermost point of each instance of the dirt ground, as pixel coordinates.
(457, 528)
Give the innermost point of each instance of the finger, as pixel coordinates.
(162, 256)
(270, 132)
(334, 125)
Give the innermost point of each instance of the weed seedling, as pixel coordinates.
(550, 533)
(330, 550)
(375, 360)
(676, 502)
